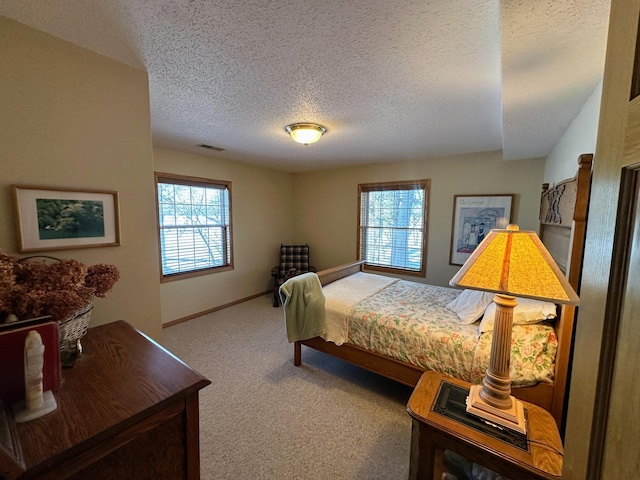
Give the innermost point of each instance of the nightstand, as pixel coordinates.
(440, 423)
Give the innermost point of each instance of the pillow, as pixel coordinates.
(470, 305)
(527, 311)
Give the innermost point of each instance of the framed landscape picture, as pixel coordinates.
(473, 217)
(57, 219)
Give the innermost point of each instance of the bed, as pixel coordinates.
(547, 344)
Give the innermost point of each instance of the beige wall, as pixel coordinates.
(579, 138)
(325, 206)
(605, 188)
(262, 219)
(71, 118)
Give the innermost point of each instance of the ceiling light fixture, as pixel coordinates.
(305, 133)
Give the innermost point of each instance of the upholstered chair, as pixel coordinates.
(294, 260)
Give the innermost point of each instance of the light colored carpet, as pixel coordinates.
(263, 418)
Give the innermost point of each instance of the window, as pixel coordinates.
(392, 226)
(194, 221)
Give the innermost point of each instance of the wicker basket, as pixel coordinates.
(71, 331)
(75, 327)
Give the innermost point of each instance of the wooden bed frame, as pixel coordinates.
(566, 238)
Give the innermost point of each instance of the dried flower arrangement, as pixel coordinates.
(31, 287)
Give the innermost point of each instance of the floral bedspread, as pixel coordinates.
(409, 321)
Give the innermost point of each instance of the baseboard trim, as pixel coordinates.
(214, 309)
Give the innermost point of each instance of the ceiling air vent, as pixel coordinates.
(210, 147)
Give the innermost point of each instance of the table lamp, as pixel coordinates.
(511, 263)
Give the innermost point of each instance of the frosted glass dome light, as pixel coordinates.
(305, 133)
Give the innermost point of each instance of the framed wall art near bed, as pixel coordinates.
(473, 217)
(58, 219)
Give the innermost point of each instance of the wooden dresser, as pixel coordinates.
(128, 409)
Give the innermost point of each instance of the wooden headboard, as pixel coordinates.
(563, 223)
(563, 219)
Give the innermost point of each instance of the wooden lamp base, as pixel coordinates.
(511, 418)
(492, 401)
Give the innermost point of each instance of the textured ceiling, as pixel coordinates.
(390, 80)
